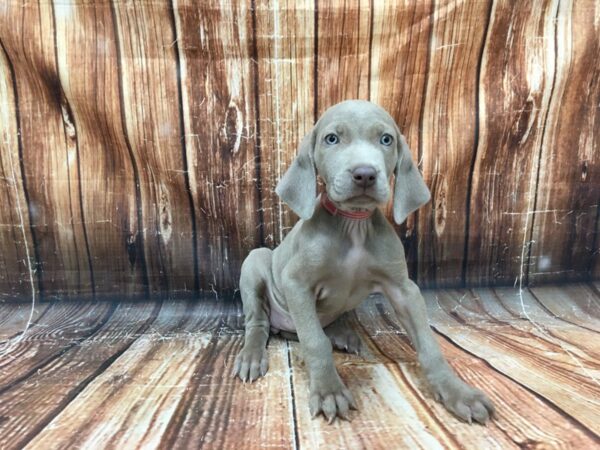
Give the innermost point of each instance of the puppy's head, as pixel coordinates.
(355, 147)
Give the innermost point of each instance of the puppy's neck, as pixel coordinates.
(335, 209)
(353, 223)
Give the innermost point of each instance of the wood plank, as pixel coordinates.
(14, 318)
(448, 134)
(62, 327)
(521, 417)
(151, 109)
(285, 66)
(101, 162)
(387, 411)
(152, 384)
(532, 316)
(343, 53)
(560, 373)
(518, 62)
(565, 222)
(398, 73)
(132, 402)
(17, 257)
(97, 102)
(217, 84)
(229, 413)
(160, 389)
(29, 403)
(577, 303)
(47, 150)
(166, 380)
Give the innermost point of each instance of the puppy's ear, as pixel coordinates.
(298, 186)
(410, 190)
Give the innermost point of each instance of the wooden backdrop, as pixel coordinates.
(140, 141)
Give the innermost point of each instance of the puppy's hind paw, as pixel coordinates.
(344, 339)
(251, 364)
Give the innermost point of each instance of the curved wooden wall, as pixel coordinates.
(140, 141)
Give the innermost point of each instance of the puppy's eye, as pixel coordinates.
(332, 139)
(386, 139)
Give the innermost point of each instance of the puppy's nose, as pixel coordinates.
(364, 176)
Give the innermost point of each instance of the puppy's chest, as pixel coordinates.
(349, 282)
(355, 263)
(354, 258)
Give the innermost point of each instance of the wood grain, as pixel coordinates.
(387, 411)
(14, 320)
(568, 203)
(560, 372)
(398, 74)
(507, 306)
(85, 38)
(521, 418)
(447, 144)
(141, 141)
(214, 42)
(517, 62)
(149, 93)
(285, 76)
(156, 375)
(343, 53)
(47, 152)
(146, 395)
(17, 259)
(172, 389)
(64, 357)
(595, 264)
(229, 413)
(575, 303)
(64, 325)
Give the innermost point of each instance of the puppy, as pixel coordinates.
(342, 250)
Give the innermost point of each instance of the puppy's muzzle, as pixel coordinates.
(364, 176)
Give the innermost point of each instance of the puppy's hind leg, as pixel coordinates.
(339, 332)
(252, 361)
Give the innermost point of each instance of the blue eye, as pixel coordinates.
(332, 139)
(386, 139)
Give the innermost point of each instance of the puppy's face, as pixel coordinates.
(354, 147)
(355, 153)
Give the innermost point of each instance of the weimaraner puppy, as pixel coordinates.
(342, 250)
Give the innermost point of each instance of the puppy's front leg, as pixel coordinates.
(458, 397)
(328, 394)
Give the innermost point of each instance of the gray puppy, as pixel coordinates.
(341, 251)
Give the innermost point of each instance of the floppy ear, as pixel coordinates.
(298, 186)
(410, 190)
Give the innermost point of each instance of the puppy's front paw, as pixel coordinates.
(330, 397)
(462, 400)
(251, 363)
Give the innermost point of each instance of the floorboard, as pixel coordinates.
(157, 375)
(577, 303)
(14, 318)
(522, 418)
(64, 326)
(35, 396)
(170, 388)
(559, 372)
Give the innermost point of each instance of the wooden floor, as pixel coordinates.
(156, 375)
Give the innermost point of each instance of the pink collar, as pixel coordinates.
(335, 211)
